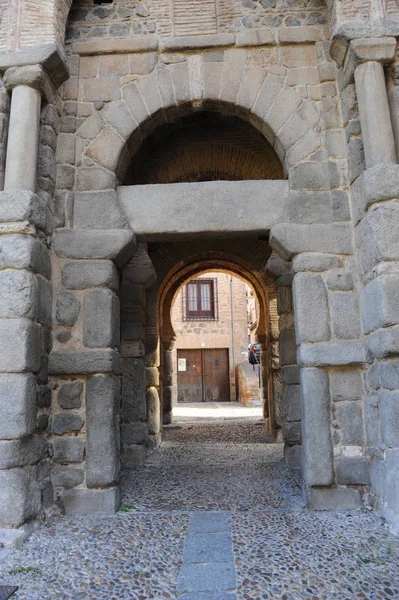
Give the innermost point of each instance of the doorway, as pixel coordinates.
(203, 375)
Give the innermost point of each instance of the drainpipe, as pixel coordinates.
(232, 336)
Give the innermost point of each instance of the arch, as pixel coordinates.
(114, 135)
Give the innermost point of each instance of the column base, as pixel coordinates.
(14, 538)
(86, 502)
(329, 498)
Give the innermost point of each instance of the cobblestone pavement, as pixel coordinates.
(213, 515)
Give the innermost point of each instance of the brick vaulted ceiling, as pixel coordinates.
(204, 147)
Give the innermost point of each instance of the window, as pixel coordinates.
(200, 300)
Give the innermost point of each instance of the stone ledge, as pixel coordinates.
(255, 37)
(85, 502)
(191, 42)
(121, 46)
(375, 49)
(346, 32)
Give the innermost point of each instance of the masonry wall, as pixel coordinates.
(218, 333)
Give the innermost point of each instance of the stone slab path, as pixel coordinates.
(213, 515)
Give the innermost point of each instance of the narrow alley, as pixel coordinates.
(213, 515)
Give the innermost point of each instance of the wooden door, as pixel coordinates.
(189, 376)
(215, 380)
(203, 375)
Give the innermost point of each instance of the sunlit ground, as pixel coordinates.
(215, 411)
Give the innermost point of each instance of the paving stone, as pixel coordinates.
(210, 522)
(208, 548)
(206, 577)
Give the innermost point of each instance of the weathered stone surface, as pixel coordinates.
(389, 408)
(345, 315)
(67, 308)
(350, 417)
(284, 300)
(85, 502)
(90, 273)
(21, 486)
(315, 410)
(101, 319)
(98, 210)
(347, 384)
(339, 280)
(353, 471)
(290, 375)
(324, 498)
(70, 395)
(67, 477)
(24, 252)
(153, 411)
(85, 243)
(292, 433)
(25, 451)
(310, 297)
(19, 294)
(291, 403)
(191, 204)
(22, 205)
(389, 373)
(66, 422)
(384, 342)
(19, 346)
(102, 430)
(315, 261)
(135, 433)
(17, 405)
(331, 354)
(68, 449)
(287, 347)
(76, 362)
(291, 238)
(134, 406)
(380, 302)
(376, 236)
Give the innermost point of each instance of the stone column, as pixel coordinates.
(138, 274)
(25, 313)
(167, 380)
(376, 212)
(23, 141)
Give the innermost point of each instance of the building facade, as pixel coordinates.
(143, 143)
(210, 314)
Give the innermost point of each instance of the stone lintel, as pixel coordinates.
(181, 211)
(49, 56)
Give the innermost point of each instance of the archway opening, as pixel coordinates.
(204, 146)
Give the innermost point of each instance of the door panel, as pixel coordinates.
(216, 375)
(189, 381)
(203, 375)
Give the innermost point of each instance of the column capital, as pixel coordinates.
(373, 49)
(30, 75)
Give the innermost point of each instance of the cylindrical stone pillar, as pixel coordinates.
(375, 118)
(23, 139)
